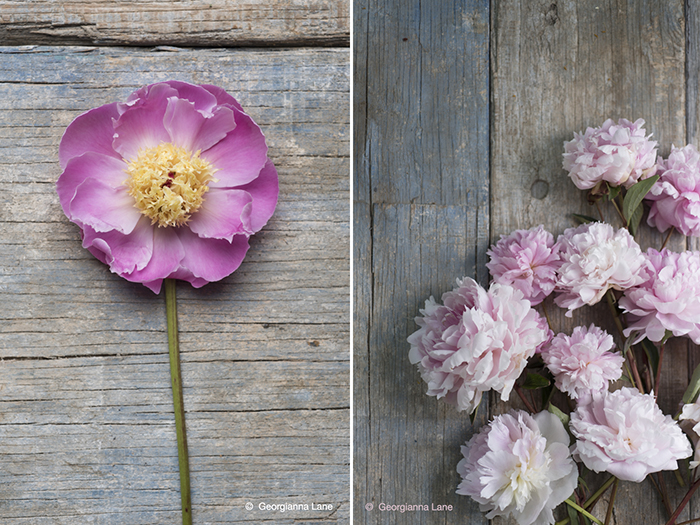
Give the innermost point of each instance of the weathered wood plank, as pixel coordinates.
(199, 23)
(86, 427)
(558, 67)
(421, 222)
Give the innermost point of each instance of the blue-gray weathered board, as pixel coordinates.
(420, 222)
(86, 424)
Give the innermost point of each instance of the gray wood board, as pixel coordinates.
(558, 67)
(421, 221)
(201, 23)
(86, 426)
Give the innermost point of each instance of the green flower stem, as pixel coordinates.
(583, 511)
(634, 376)
(608, 514)
(171, 314)
(594, 498)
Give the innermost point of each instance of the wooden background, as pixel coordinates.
(461, 109)
(86, 424)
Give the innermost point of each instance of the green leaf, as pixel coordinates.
(573, 515)
(472, 416)
(564, 418)
(693, 387)
(535, 381)
(583, 219)
(652, 355)
(613, 191)
(636, 219)
(635, 195)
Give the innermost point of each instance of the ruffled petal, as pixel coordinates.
(123, 253)
(224, 213)
(168, 253)
(204, 101)
(240, 156)
(193, 131)
(89, 165)
(265, 191)
(221, 96)
(91, 131)
(141, 125)
(103, 207)
(212, 259)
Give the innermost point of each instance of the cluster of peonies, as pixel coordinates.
(520, 465)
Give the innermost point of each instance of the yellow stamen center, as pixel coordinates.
(168, 183)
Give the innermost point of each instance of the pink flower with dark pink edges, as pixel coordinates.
(675, 198)
(170, 183)
(527, 260)
(618, 153)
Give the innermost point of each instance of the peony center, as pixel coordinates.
(168, 183)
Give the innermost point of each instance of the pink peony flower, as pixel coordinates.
(519, 465)
(169, 184)
(675, 198)
(475, 342)
(583, 362)
(527, 260)
(619, 154)
(690, 423)
(626, 434)
(596, 258)
(668, 300)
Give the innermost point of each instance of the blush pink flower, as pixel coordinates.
(675, 198)
(626, 434)
(620, 154)
(519, 465)
(583, 363)
(168, 184)
(596, 258)
(690, 423)
(668, 300)
(527, 260)
(477, 340)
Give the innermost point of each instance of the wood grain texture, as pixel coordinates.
(86, 427)
(199, 23)
(421, 222)
(558, 67)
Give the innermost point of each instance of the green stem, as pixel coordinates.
(599, 492)
(608, 514)
(634, 375)
(583, 511)
(178, 405)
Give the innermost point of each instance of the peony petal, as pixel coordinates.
(240, 156)
(91, 131)
(203, 99)
(103, 207)
(123, 253)
(89, 165)
(141, 125)
(224, 213)
(264, 191)
(212, 259)
(193, 131)
(221, 96)
(168, 253)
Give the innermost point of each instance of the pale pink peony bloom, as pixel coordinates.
(527, 260)
(519, 465)
(596, 258)
(583, 363)
(690, 423)
(619, 154)
(668, 300)
(675, 198)
(170, 183)
(626, 434)
(476, 341)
